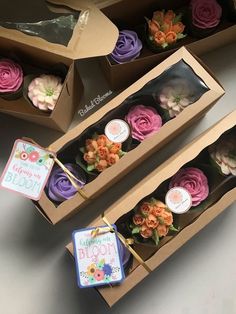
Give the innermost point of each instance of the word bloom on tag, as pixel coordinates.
(97, 258)
(27, 170)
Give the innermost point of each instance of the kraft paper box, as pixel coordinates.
(128, 14)
(67, 147)
(146, 187)
(42, 54)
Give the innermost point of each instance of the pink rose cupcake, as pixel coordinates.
(194, 181)
(205, 16)
(144, 121)
(11, 79)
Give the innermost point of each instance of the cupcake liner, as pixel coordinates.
(13, 95)
(59, 69)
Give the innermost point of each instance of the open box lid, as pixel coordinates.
(93, 35)
(104, 3)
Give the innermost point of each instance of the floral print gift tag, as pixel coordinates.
(27, 170)
(98, 260)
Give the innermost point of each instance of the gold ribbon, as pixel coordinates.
(69, 175)
(126, 242)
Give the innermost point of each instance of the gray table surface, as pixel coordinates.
(37, 276)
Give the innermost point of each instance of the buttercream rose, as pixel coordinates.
(144, 121)
(127, 48)
(194, 181)
(223, 153)
(44, 91)
(138, 220)
(11, 76)
(205, 13)
(59, 188)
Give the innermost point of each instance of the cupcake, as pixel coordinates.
(59, 187)
(205, 16)
(194, 181)
(151, 221)
(223, 154)
(125, 255)
(44, 91)
(175, 97)
(144, 122)
(127, 48)
(164, 30)
(100, 153)
(11, 79)
(231, 9)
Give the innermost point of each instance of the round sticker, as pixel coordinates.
(117, 130)
(178, 200)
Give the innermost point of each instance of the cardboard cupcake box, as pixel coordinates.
(191, 225)
(181, 65)
(129, 14)
(38, 54)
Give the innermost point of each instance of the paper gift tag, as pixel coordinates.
(117, 131)
(98, 260)
(27, 170)
(178, 200)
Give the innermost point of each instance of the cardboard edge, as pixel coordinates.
(104, 38)
(60, 118)
(186, 118)
(181, 53)
(170, 248)
(188, 232)
(165, 171)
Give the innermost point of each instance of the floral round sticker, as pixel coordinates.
(117, 130)
(178, 200)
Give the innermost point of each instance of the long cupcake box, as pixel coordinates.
(38, 55)
(129, 14)
(147, 186)
(67, 147)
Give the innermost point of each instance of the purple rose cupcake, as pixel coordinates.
(127, 48)
(125, 255)
(194, 181)
(205, 16)
(11, 79)
(144, 121)
(59, 188)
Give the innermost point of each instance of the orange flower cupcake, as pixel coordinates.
(151, 221)
(164, 30)
(99, 153)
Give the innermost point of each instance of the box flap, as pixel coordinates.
(104, 3)
(93, 35)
